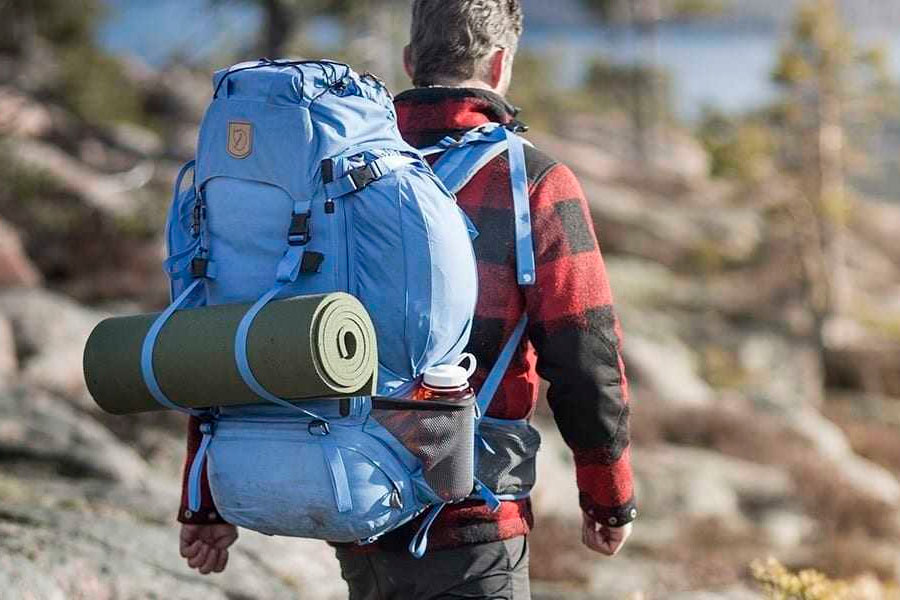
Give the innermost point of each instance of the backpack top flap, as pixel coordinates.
(282, 119)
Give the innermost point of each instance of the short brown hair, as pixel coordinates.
(448, 38)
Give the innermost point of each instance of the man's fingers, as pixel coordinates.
(210, 563)
(190, 550)
(591, 538)
(200, 557)
(223, 560)
(189, 533)
(224, 541)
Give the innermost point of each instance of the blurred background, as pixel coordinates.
(741, 162)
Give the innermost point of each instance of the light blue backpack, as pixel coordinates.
(303, 185)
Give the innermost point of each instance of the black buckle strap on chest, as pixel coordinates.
(298, 234)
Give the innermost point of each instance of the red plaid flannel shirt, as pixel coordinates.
(573, 339)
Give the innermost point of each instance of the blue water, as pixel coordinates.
(723, 66)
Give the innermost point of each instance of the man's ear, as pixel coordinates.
(408, 63)
(496, 69)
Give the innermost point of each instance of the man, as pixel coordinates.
(460, 60)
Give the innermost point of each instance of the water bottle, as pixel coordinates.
(448, 383)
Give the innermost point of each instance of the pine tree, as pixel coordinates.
(825, 78)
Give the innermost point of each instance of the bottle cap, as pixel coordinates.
(450, 377)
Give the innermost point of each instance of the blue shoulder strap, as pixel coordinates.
(463, 158)
(492, 382)
(519, 178)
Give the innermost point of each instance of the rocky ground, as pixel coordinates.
(739, 453)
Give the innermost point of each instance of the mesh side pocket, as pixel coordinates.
(441, 435)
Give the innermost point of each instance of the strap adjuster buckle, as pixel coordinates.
(319, 427)
(298, 234)
(363, 176)
(199, 267)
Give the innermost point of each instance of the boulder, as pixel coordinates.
(696, 483)
(78, 555)
(781, 373)
(864, 476)
(669, 369)
(50, 331)
(37, 430)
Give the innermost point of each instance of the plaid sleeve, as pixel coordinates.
(208, 513)
(578, 341)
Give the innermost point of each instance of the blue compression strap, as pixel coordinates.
(338, 474)
(243, 362)
(492, 382)
(197, 468)
(150, 343)
(379, 167)
(287, 272)
(419, 543)
(519, 178)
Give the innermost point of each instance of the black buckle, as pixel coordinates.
(312, 262)
(199, 267)
(363, 176)
(318, 427)
(298, 234)
(517, 126)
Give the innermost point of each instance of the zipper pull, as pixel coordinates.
(329, 207)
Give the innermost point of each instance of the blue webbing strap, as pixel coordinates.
(492, 382)
(287, 272)
(419, 543)
(378, 168)
(150, 343)
(172, 267)
(197, 467)
(458, 166)
(525, 266)
(487, 495)
(338, 474)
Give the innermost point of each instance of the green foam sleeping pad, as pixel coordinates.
(300, 348)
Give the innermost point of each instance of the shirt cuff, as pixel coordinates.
(204, 516)
(611, 516)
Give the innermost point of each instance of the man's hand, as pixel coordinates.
(602, 538)
(206, 546)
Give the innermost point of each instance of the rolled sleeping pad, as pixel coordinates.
(298, 348)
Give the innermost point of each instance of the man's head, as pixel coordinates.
(460, 43)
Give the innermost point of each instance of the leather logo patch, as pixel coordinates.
(240, 139)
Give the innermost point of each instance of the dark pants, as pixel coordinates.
(494, 571)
